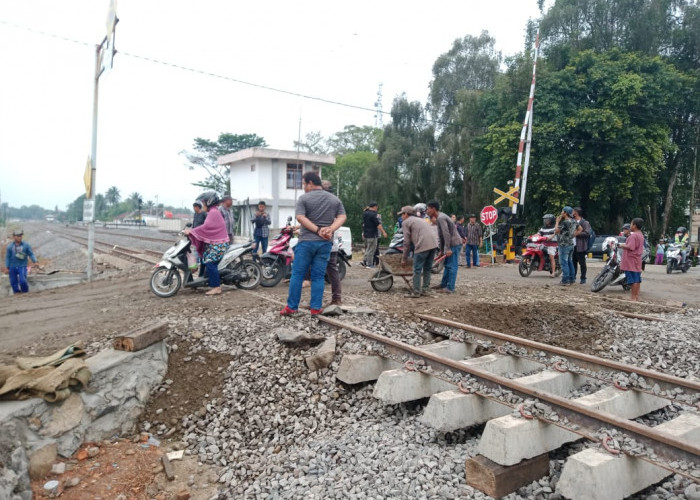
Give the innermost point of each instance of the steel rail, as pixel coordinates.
(664, 445)
(588, 361)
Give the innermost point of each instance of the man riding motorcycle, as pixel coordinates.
(681, 239)
(547, 231)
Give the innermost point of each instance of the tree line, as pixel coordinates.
(615, 122)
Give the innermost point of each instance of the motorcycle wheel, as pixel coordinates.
(165, 282)
(272, 271)
(626, 287)
(254, 272)
(669, 267)
(684, 269)
(439, 267)
(525, 267)
(342, 269)
(601, 281)
(382, 281)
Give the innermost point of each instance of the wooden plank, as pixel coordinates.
(498, 480)
(637, 316)
(141, 337)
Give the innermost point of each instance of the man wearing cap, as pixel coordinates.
(474, 238)
(423, 238)
(371, 226)
(261, 221)
(17, 258)
(225, 209)
(565, 229)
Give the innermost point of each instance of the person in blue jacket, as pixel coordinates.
(16, 260)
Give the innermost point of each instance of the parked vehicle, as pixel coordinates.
(276, 263)
(611, 274)
(396, 246)
(535, 257)
(674, 259)
(177, 265)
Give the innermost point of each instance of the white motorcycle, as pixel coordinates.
(178, 265)
(674, 259)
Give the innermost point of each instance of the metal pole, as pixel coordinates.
(298, 164)
(93, 163)
(491, 244)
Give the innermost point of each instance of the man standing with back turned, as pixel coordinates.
(320, 214)
(450, 245)
(371, 226)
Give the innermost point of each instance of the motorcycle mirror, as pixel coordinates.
(189, 224)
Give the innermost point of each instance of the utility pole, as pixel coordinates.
(104, 55)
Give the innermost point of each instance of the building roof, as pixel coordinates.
(278, 154)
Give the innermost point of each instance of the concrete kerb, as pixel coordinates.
(508, 440)
(123, 382)
(594, 474)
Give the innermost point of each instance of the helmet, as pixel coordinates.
(420, 209)
(548, 219)
(209, 198)
(626, 227)
(682, 229)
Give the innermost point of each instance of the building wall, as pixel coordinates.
(244, 181)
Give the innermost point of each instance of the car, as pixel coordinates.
(597, 248)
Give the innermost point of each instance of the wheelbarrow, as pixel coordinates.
(390, 266)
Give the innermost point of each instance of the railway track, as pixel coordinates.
(137, 256)
(123, 233)
(528, 395)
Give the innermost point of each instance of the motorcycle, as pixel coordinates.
(611, 274)
(396, 246)
(276, 263)
(178, 265)
(674, 259)
(535, 257)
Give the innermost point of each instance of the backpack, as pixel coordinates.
(591, 238)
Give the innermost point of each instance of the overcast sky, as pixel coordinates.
(149, 112)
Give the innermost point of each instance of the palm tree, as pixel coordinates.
(149, 205)
(113, 196)
(135, 200)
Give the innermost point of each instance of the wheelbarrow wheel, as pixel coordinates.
(382, 281)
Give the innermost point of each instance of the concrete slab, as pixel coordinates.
(507, 440)
(358, 368)
(453, 410)
(500, 363)
(594, 474)
(400, 386)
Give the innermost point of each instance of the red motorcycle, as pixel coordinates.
(278, 258)
(535, 257)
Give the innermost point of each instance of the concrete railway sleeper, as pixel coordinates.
(629, 377)
(545, 420)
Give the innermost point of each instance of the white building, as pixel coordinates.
(272, 176)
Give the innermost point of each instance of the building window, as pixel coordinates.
(294, 172)
(252, 167)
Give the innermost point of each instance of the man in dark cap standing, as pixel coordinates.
(371, 226)
(225, 209)
(17, 257)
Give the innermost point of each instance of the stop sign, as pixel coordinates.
(489, 215)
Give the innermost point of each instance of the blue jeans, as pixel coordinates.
(449, 276)
(259, 240)
(422, 267)
(567, 264)
(18, 279)
(312, 255)
(472, 251)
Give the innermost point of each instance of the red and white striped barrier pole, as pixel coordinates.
(526, 134)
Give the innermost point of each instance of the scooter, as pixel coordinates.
(278, 258)
(276, 263)
(611, 274)
(178, 265)
(674, 259)
(535, 257)
(396, 246)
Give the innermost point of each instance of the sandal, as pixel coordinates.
(214, 291)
